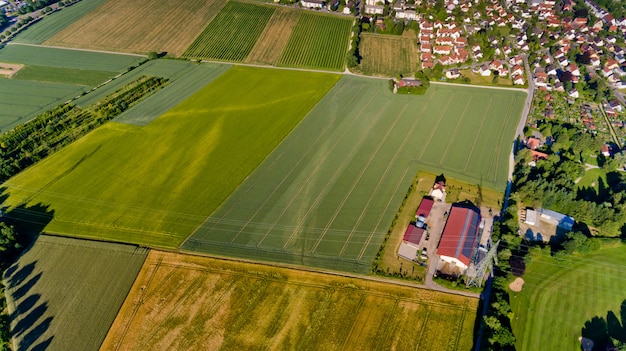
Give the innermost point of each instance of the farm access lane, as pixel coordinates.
(76, 49)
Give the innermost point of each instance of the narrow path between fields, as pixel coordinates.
(76, 49)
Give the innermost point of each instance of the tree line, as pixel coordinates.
(34, 140)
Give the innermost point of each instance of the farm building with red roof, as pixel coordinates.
(415, 231)
(425, 206)
(460, 237)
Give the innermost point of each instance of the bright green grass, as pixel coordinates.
(66, 58)
(327, 195)
(56, 22)
(318, 41)
(232, 33)
(591, 178)
(63, 75)
(63, 294)
(22, 100)
(155, 184)
(558, 298)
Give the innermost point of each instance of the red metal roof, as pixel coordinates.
(460, 235)
(413, 234)
(425, 206)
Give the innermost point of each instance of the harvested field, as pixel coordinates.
(327, 196)
(53, 23)
(140, 26)
(7, 70)
(182, 302)
(318, 41)
(232, 34)
(67, 58)
(63, 294)
(155, 184)
(388, 55)
(274, 38)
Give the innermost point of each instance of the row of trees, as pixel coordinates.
(54, 129)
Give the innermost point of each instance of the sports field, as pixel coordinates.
(140, 26)
(21, 100)
(55, 22)
(232, 34)
(557, 298)
(388, 55)
(67, 58)
(63, 294)
(327, 195)
(155, 184)
(318, 41)
(182, 302)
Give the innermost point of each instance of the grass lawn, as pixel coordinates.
(559, 297)
(155, 184)
(328, 194)
(63, 294)
(592, 178)
(56, 22)
(182, 302)
(477, 79)
(66, 58)
(63, 75)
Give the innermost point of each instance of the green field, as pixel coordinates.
(559, 297)
(318, 41)
(232, 34)
(592, 179)
(22, 100)
(183, 302)
(327, 195)
(63, 294)
(66, 58)
(56, 22)
(63, 75)
(155, 184)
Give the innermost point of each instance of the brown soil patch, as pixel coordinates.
(274, 38)
(9, 69)
(140, 26)
(516, 285)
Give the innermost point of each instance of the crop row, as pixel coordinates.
(318, 42)
(232, 34)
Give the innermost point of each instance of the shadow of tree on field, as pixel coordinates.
(608, 332)
(29, 318)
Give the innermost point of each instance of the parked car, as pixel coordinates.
(424, 254)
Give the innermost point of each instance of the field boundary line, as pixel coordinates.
(311, 147)
(356, 182)
(388, 321)
(352, 325)
(423, 328)
(219, 220)
(460, 325)
(76, 49)
(482, 122)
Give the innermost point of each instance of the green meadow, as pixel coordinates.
(73, 76)
(155, 184)
(558, 297)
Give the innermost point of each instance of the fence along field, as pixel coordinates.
(274, 38)
(327, 195)
(56, 22)
(182, 302)
(64, 294)
(388, 55)
(155, 184)
(140, 26)
(232, 33)
(318, 41)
